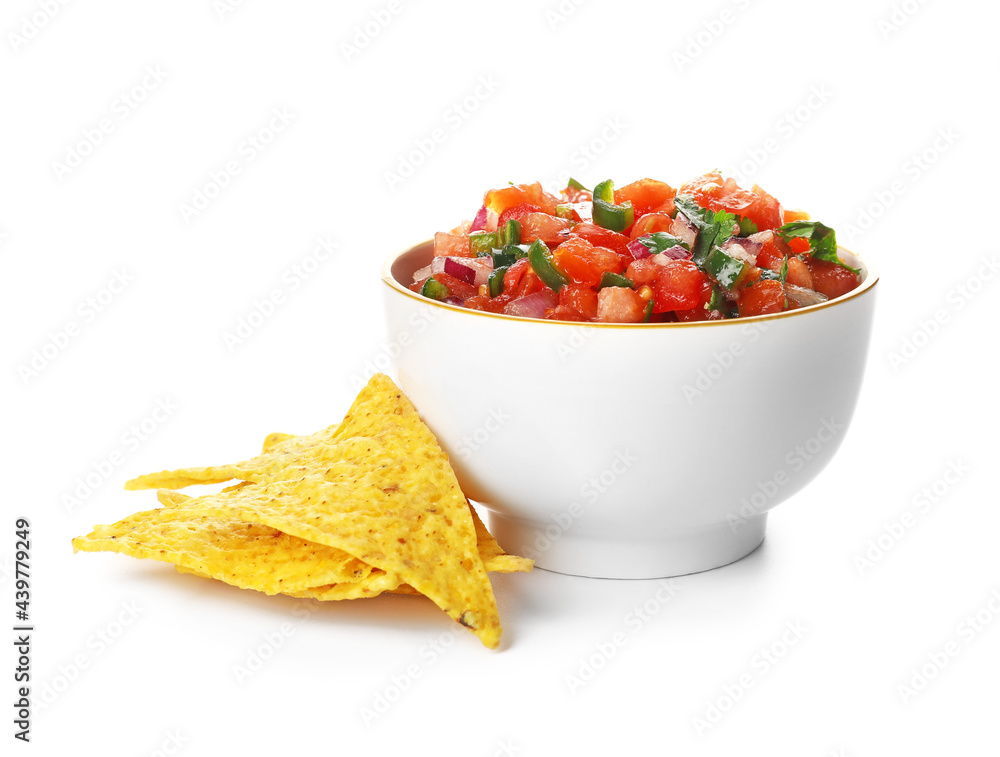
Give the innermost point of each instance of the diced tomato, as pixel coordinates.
(645, 195)
(451, 244)
(582, 299)
(700, 312)
(549, 229)
(516, 213)
(831, 279)
(798, 245)
(577, 195)
(565, 313)
(498, 200)
(712, 191)
(530, 283)
(583, 262)
(794, 215)
(667, 207)
(416, 286)
(479, 302)
(512, 279)
(708, 192)
(798, 274)
(620, 305)
(761, 297)
(677, 286)
(773, 250)
(602, 237)
(457, 287)
(764, 211)
(642, 271)
(650, 224)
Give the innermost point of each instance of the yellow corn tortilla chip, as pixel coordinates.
(374, 583)
(221, 546)
(495, 560)
(378, 487)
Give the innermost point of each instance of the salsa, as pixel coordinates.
(642, 253)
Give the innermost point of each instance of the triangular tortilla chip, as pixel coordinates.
(224, 547)
(495, 560)
(378, 487)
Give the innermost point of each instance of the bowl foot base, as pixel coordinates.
(676, 553)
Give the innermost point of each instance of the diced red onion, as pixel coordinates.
(744, 249)
(424, 272)
(671, 254)
(453, 300)
(460, 271)
(677, 253)
(479, 222)
(638, 250)
(481, 268)
(683, 230)
(534, 305)
(801, 297)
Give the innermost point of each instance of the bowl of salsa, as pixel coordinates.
(630, 379)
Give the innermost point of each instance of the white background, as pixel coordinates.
(877, 117)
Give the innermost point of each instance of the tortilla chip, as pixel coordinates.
(495, 560)
(378, 487)
(221, 546)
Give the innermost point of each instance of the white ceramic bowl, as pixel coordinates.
(630, 450)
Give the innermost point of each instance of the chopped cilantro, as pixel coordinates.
(659, 241)
(822, 240)
(714, 228)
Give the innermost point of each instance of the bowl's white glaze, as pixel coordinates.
(630, 450)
